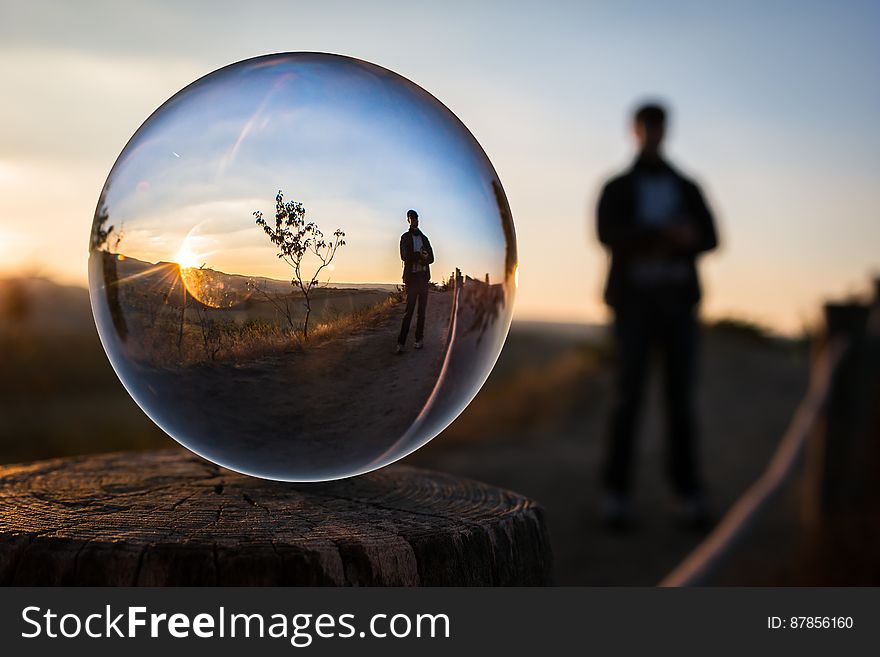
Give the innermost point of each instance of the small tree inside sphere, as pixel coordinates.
(295, 238)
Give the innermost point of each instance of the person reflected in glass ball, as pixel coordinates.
(417, 255)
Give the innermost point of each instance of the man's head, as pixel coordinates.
(649, 126)
(413, 218)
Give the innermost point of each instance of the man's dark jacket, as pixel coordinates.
(620, 231)
(410, 256)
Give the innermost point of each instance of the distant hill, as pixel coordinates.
(43, 306)
(131, 266)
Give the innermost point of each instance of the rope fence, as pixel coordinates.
(845, 372)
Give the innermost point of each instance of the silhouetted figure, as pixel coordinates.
(655, 222)
(417, 256)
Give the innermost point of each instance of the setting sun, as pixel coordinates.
(186, 258)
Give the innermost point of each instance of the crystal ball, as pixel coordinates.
(302, 266)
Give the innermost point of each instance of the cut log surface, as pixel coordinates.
(170, 518)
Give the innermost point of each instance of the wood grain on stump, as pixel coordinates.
(170, 518)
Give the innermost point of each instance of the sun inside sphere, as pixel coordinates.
(302, 266)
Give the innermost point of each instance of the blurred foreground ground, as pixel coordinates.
(537, 427)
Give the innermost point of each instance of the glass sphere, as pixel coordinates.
(254, 262)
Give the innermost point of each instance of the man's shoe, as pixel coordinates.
(418, 344)
(398, 349)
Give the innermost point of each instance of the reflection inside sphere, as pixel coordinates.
(253, 262)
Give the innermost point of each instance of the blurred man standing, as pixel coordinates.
(654, 222)
(417, 255)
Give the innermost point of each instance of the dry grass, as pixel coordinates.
(59, 396)
(218, 335)
(359, 319)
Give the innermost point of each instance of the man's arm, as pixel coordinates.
(430, 249)
(696, 234)
(406, 250)
(708, 236)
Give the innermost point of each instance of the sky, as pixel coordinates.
(774, 108)
(355, 144)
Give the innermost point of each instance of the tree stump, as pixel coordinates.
(169, 518)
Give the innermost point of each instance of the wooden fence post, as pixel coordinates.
(834, 475)
(841, 483)
(872, 391)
